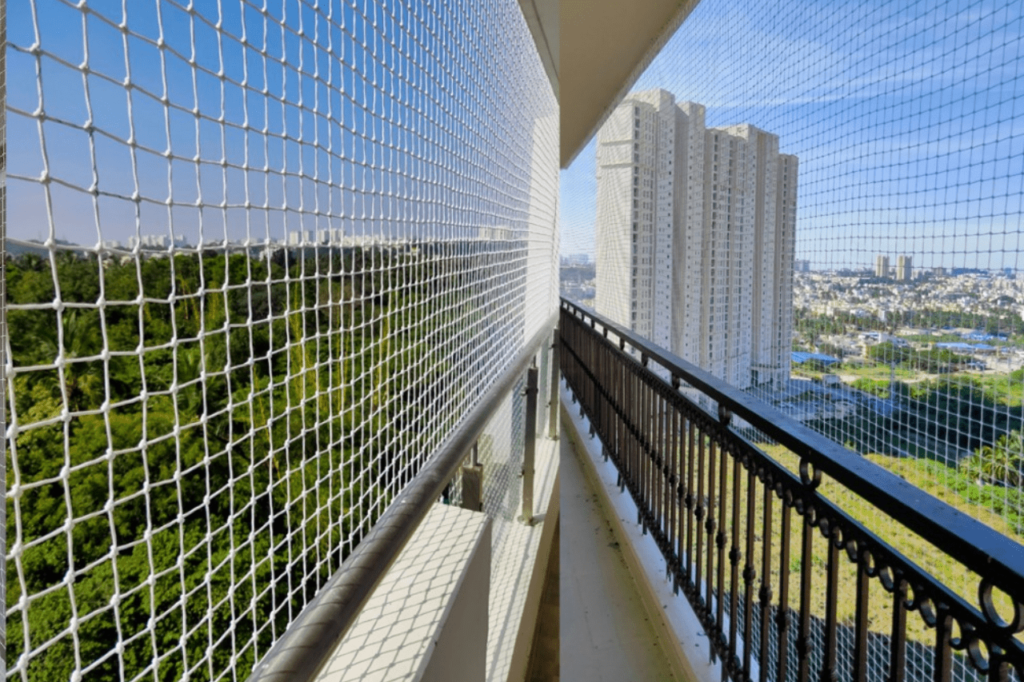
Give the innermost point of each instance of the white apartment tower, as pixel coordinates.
(904, 268)
(635, 213)
(695, 237)
(881, 266)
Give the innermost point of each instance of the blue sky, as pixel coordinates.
(907, 117)
(354, 115)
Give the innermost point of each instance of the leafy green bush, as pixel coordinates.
(1001, 463)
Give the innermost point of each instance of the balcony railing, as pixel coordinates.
(309, 641)
(810, 562)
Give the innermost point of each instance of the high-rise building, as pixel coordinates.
(635, 213)
(904, 269)
(881, 266)
(695, 236)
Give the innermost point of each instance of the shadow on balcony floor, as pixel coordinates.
(544, 664)
(606, 633)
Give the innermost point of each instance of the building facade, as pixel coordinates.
(904, 268)
(695, 237)
(881, 266)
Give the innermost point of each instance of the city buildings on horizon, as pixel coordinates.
(904, 267)
(695, 237)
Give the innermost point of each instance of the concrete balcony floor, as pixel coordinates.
(605, 632)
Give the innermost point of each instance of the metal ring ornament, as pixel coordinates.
(836, 535)
(929, 611)
(853, 552)
(808, 511)
(979, 658)
(911, 597)
(988, 609)
(810, 475)
(889, 578)
(867, 563)
(961, 642)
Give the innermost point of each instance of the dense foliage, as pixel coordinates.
(192, 441)
(932, 360)
(1005, 321)
(1001, 463)
(929, 416)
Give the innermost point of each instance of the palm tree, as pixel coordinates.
(999, 464)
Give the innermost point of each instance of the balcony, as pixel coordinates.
(791, 562)
(284, 357)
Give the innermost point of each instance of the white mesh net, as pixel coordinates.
(821, 204)
(261, 258)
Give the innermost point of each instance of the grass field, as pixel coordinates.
(924, 475)
(871, 370)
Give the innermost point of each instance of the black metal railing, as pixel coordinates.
(777, 601)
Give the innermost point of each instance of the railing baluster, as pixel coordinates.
(734, 559)
(666, 475)
(720, 541)
(998, 668)
(782, 615)
(640, 454)
(766, 585)
(657, 452)
(529, 451)
(943, 650)
(803, 641)
(701, 526)
(553, 393)
(644, 454)
(660, 463)
(606, 406)
(898, 642)
(828, 667)
(860, 642)
(691, 503)
(636, 406)
(654, 469)
(646, 461)
(630, 405)
(654, 428)
(614, 417)
(748, 576)
(709, 526)
(675, 539)
(638, 444)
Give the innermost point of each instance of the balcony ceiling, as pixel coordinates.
(599, 49)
